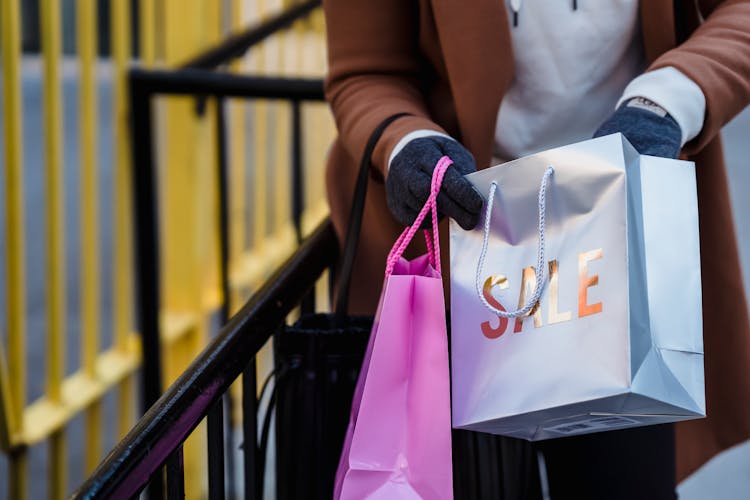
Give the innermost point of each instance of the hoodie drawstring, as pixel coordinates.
(515, 6)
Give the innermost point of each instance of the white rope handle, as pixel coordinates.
(540, 266)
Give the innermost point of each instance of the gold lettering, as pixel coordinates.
(585, 281)
(502, 282)
(528, 282)
(553, 315)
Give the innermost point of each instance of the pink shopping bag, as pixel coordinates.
(398, 443)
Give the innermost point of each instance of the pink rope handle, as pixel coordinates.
(433, 247)
(430, 205)
(430, 247)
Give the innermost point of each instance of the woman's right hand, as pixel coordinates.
(407, 184)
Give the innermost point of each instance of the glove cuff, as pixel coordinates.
(393, 134)
(416, 134)
(680, 96)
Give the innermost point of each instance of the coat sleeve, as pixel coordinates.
(717, 58)
(374, 71)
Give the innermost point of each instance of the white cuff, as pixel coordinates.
(416, 134)
(680, 96)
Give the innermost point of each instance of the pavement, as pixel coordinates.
(726, 477)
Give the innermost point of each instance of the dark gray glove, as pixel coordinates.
(409, 179)
(653, 133)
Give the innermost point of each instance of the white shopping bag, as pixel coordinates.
(615, 339)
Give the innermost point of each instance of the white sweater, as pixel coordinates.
(572, 69)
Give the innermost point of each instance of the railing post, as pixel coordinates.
(146, 231)
(175, 476)
(215, 419)
(298, 200)
(146, 234)
(250, 431)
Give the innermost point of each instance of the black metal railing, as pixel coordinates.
(156, 441)
(166, 425)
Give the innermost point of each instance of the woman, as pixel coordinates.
(482, 82)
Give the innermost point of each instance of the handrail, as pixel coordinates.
(236, 45)
(129, 466)
(200, 81)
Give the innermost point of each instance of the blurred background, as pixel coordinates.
(69, 350)
(68, 344)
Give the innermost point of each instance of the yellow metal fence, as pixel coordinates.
(261, 230)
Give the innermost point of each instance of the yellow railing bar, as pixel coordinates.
(56, 469)
(260, 179)
(19, 466)
(262, 115)
(10, 36)
(310, 57)
(284, 238)
(303, 64)
(49, 17)
(123, 241)
(208, 288)
(236, 191)
(44, 418)
(86, 28)
(50, 31)
(8, 421)
(14, 205)
(148, 31)
(125, 398)
(237, 167)
(321, 132)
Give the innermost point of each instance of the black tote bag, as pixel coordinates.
(317, 362)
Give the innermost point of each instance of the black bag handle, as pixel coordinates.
(355, 220)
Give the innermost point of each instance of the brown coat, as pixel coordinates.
(448, 63)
